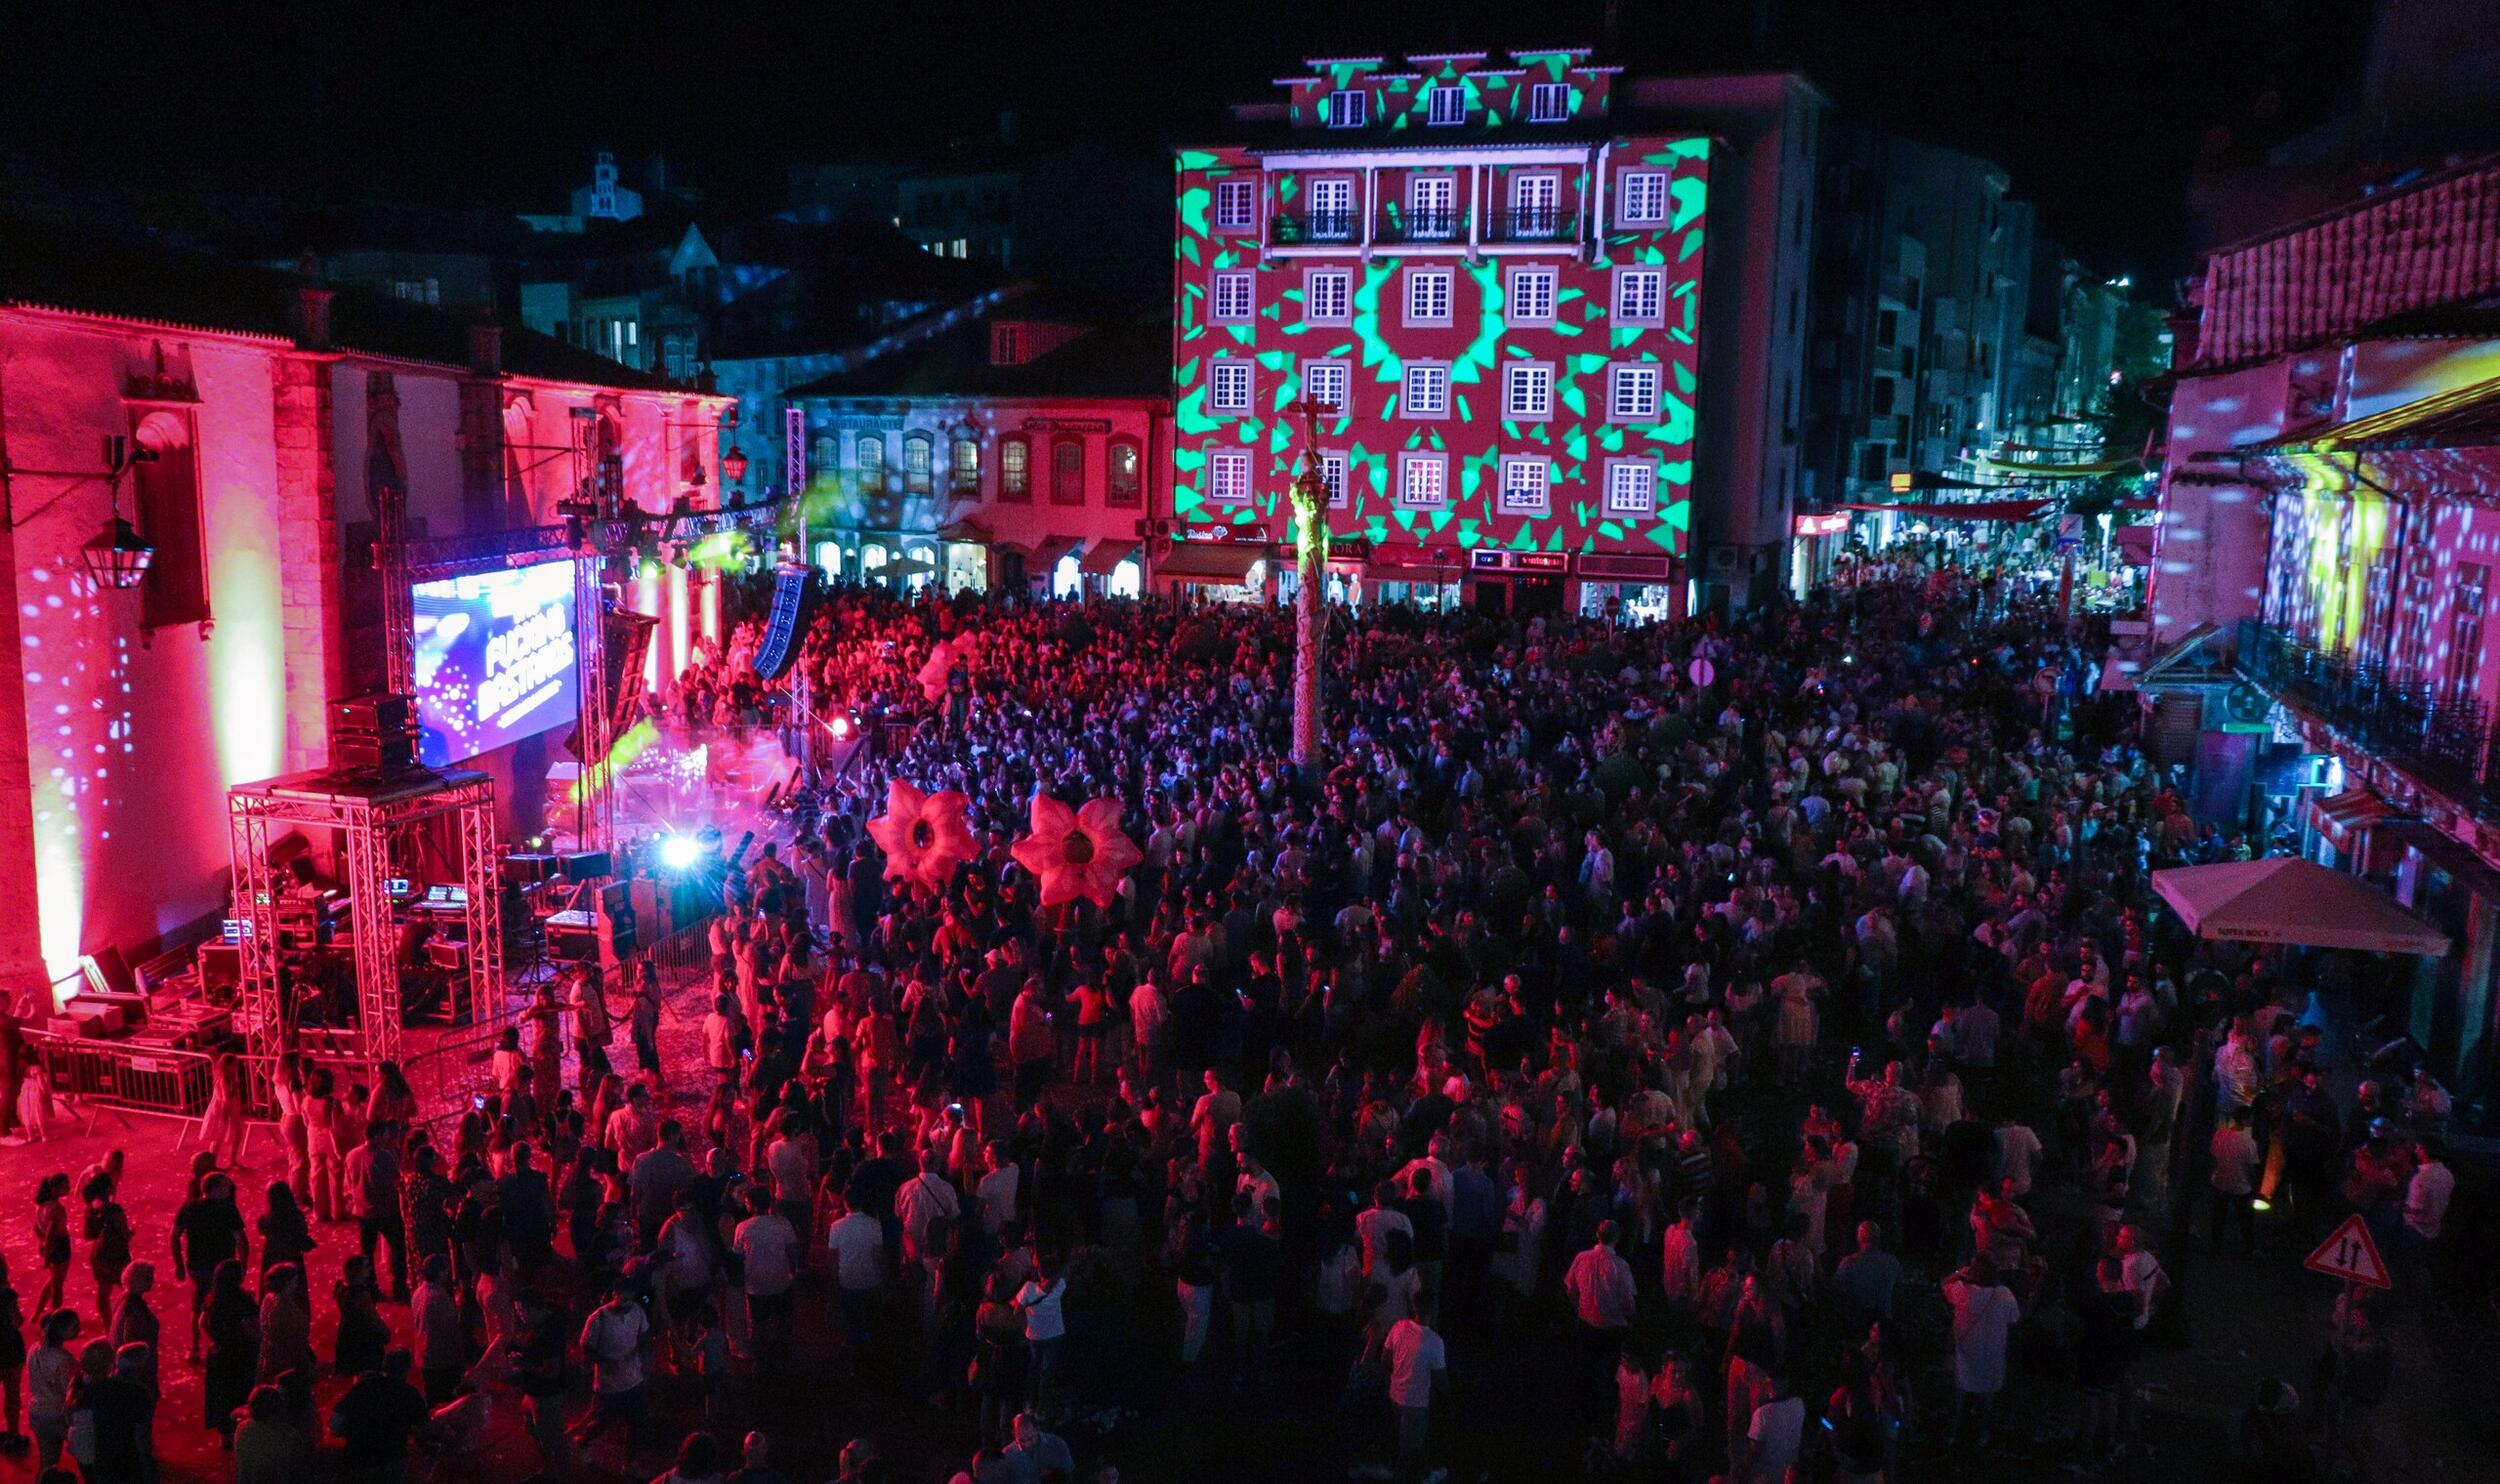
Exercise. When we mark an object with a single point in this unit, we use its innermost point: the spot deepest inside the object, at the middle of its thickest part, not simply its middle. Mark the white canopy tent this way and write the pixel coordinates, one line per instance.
(2283, 899)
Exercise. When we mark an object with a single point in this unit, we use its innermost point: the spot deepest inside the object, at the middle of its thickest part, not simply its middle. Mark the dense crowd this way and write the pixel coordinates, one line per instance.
(1745, 1038)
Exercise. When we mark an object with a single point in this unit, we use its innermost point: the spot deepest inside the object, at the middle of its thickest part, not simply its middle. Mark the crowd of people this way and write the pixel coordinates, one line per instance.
(1741, 1079)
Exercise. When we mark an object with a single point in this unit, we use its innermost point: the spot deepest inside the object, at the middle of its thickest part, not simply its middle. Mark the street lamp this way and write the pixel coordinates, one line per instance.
(733, 465)
(1310, 511)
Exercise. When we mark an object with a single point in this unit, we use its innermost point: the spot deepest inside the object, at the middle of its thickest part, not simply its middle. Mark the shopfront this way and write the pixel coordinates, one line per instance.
(1216, 571)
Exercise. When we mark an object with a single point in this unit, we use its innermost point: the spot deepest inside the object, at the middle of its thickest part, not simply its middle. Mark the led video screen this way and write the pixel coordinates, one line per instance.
(494, 654)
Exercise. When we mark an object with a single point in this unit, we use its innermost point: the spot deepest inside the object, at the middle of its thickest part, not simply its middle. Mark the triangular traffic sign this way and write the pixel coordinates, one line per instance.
(2349, 1253)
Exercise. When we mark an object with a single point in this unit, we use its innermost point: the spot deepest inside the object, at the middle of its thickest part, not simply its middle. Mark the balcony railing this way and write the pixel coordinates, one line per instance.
(1292, 229)
(2450, 745)
(1423, 226)
(1529, 224)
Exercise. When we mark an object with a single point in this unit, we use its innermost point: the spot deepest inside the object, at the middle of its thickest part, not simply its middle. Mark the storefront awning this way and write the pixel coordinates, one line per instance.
(1106, 554)
(2283, 899)
(967, 532)
(1046, 554)
(2337, 817)
(1967, 510)
(1211, 561)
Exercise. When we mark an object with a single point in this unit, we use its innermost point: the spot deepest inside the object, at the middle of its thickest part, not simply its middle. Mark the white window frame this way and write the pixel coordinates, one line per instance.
(1540, 182)
(1343, 313)
(1632, 286)
(1435, 96)
(1437, 375)
(1217, 401)
(1341, 116)
(1416, 281)
(1335, 468)
(1241, 287)
(1508, 500)
(1631, 210)
(1549, 103)
(1236, 205)
(1339, 369)
(1414, 459)
(1311, 208)
(1527, 391)
(1441, 183)
(1553, 288)
(1228, 466)
(1617, 475)
(1622, 379)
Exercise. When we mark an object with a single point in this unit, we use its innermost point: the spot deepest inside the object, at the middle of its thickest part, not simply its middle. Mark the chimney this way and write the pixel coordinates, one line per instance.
(312, 316)
(486, 349)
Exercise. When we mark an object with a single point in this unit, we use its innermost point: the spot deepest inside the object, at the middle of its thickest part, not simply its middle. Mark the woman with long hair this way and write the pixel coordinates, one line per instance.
(285, 1236)
(108, 1239)
(221, 1125)
(52, 1243)
(324, 1154)
(287, 1086)
(393, 1099)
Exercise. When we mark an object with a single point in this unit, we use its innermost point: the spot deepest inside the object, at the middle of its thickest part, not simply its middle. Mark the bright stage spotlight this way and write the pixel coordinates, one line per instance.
(680, 852)
(841, 726)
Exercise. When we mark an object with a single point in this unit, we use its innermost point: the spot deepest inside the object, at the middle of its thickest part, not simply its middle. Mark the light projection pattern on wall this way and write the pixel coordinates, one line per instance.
(1581, 344)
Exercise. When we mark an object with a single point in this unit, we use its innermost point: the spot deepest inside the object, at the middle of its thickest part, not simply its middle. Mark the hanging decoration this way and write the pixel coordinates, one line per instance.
(924, 836)
(1079, 852)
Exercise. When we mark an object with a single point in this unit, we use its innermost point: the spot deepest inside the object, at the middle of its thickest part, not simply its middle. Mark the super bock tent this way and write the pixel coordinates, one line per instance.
(2283, 899)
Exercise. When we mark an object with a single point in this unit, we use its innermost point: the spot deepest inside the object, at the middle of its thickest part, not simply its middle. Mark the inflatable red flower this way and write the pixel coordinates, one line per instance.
(1077, 852)
(924, 836)
(939, 665)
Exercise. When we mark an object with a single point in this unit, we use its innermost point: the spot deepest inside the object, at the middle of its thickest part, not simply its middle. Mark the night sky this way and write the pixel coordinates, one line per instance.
(2095, 107)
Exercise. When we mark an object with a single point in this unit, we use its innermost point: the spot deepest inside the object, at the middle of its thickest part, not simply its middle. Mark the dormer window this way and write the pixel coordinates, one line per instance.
(1006, 345)
(1446, 105)
(1549, 103)
(1348, 108)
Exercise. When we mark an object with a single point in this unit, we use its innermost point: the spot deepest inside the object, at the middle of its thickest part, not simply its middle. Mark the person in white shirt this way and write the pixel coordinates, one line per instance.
(2426, 1213)
(1774, 1437)
(1418, 1368)
(2234, 1180)
(2018, 1148)
(768, 1245)
(1045, 1327)
(613, 1341)
(923, 1199)
(1373, 1226)
(1599, 1284)
(856, 1242)
(1984, 1311)
(1001, 1182)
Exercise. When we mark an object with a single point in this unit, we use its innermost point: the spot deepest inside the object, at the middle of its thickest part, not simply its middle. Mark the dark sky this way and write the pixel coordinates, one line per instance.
(2095, 107)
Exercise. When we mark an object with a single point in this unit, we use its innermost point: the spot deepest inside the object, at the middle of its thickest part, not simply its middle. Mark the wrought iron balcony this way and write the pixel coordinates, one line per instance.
(2447, 743)
(1295, 229)
(1530, 224)
(1423, 226)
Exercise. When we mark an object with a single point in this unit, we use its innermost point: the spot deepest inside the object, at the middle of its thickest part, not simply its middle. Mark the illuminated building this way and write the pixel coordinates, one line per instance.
(2333, 460)
(273, 409)
(1022, 452)
(1559, 309)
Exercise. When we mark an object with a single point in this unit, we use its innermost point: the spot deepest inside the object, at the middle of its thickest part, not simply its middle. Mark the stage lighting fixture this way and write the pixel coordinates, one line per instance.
(841, 727)
(680, 852)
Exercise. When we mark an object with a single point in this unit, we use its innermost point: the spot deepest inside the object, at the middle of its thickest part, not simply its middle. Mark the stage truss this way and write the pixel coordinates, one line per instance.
(370, 814)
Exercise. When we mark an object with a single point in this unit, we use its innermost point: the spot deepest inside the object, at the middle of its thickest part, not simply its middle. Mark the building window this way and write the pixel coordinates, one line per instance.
(1528, 391)
(1328, 296)
(1427, 389)
(1431, 207)
(1640, 296)
(1446, 105)
(1631, 488)
(872, 559)
(1328, 383)
(1236, 205)
(1549, 102)
(1427, 296)
(1632, 394)
(1015, 469)
(1527, 486)
(1228, 385)
(1126, 477)
(1642, 202)
(826, 453)
(1332, 208)
(2465, 631)
(1067, 472)
(1348, 108)
(1532, 296)
(1423, 480)
(1332, 474)
(1228, 477)
(1234, 295)
(1535, 205)
(871, 456)
(1006, 345)
(917, 452)
(967, 463)
(174, 589)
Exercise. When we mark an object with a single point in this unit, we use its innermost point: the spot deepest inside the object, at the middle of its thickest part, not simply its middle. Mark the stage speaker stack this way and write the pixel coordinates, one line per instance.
(374, 736)
(794, 592)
